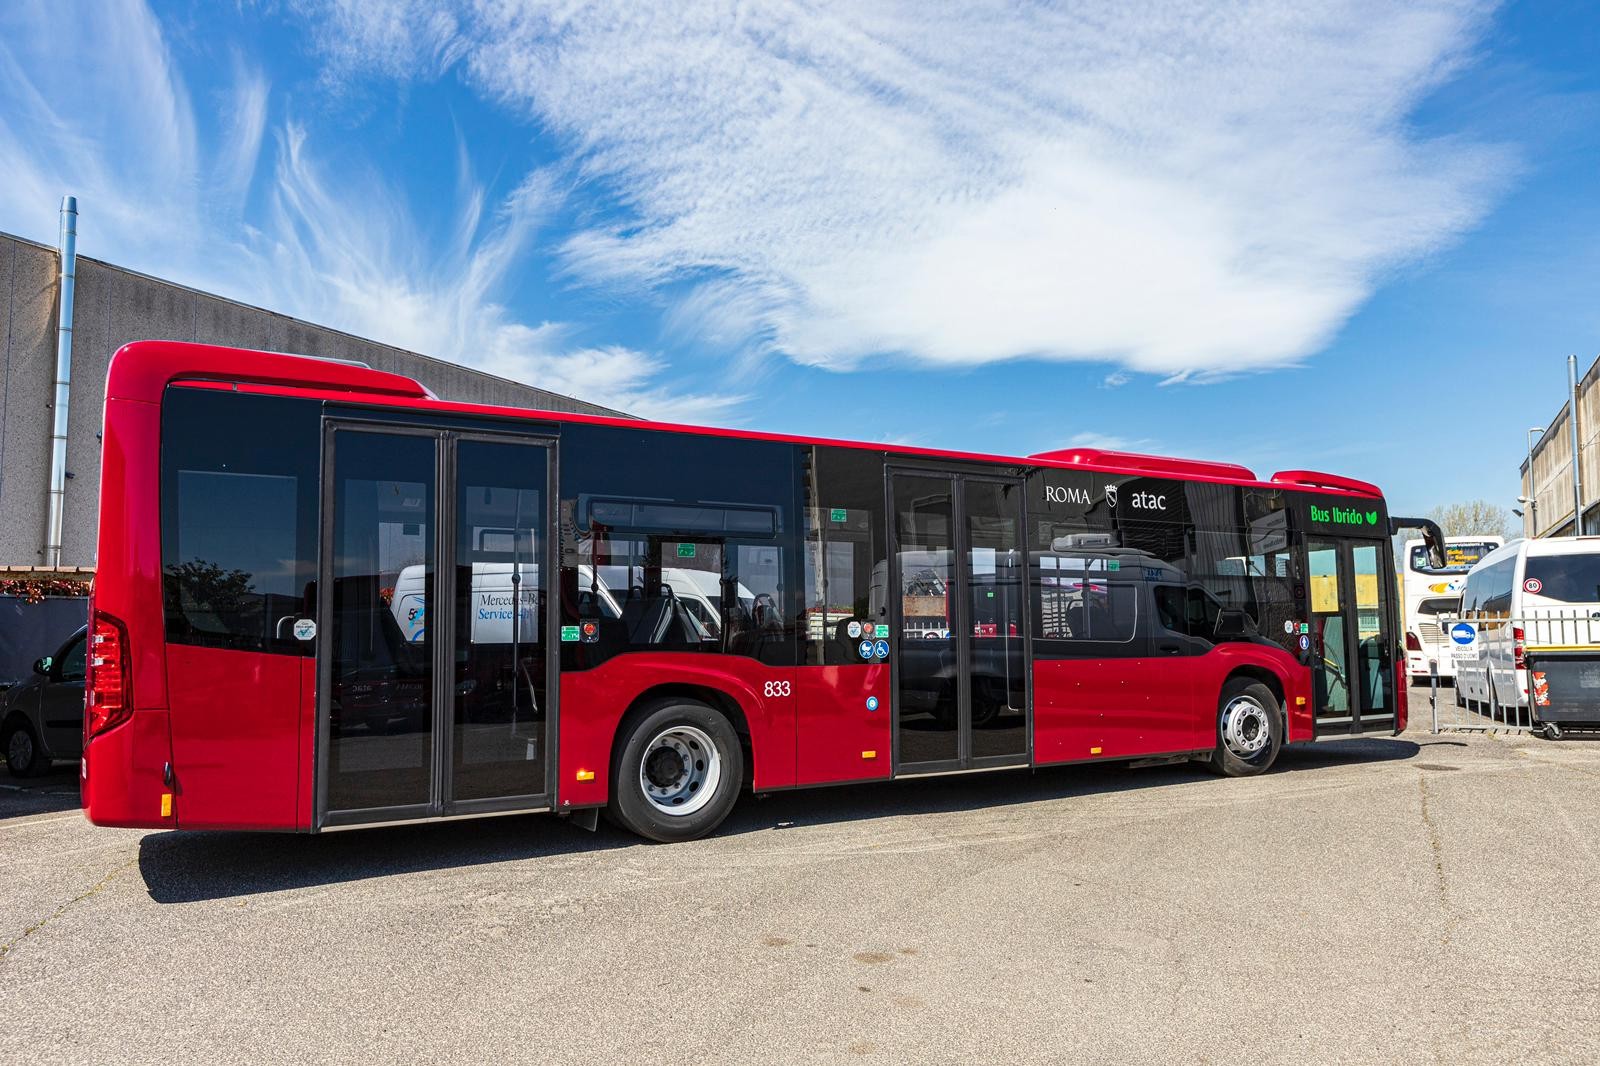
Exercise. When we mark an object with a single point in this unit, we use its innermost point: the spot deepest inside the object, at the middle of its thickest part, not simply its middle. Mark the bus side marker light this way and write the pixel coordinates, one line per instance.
(869, 755)
(166, 805)
(1299, 701)
(585, 775)
(1094, 751)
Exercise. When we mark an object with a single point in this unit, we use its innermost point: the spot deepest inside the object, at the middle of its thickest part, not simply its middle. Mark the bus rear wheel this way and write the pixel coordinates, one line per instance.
(677, 772)
(1249, 729)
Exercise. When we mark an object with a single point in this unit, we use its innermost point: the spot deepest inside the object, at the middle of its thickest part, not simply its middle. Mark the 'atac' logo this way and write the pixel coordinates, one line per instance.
(1142, 501)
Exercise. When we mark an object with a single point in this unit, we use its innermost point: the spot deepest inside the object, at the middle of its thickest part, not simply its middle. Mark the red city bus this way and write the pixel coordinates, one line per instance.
(326, 599)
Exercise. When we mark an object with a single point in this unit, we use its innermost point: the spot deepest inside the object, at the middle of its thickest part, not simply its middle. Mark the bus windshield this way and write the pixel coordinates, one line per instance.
(1459, 556)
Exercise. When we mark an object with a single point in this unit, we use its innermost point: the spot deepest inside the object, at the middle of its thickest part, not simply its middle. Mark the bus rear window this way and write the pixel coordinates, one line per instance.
(238, 517)
(1568, 578)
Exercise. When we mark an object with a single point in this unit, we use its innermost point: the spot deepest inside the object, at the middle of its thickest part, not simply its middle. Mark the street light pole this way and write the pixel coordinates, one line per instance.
(1577, 467)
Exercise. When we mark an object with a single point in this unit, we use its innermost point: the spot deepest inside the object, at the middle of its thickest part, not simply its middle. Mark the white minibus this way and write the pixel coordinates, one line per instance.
(1526, 582)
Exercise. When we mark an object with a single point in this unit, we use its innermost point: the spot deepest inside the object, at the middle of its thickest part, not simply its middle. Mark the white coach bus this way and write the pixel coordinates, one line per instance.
(1431, 591)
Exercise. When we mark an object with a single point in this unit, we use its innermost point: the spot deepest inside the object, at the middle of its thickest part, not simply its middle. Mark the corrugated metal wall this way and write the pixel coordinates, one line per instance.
(115, 306)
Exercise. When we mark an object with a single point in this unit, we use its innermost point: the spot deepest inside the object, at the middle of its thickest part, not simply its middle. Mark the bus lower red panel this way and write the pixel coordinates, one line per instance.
(306, 806)
(121, 773)
(236, 720)
(1112, 708)
(840, 739)
(594, 701)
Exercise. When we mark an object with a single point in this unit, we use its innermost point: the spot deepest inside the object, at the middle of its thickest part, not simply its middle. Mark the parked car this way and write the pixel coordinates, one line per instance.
(41, 719)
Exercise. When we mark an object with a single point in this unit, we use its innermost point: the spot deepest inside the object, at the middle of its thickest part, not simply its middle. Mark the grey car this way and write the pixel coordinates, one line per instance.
(41, 719)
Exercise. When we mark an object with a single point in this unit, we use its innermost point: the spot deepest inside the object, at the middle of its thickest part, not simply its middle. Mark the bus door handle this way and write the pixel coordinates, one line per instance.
(1169, 649)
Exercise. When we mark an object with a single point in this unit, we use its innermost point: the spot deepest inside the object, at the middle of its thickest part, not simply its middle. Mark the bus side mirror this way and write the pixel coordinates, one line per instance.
(41, 666)
(1432, 537)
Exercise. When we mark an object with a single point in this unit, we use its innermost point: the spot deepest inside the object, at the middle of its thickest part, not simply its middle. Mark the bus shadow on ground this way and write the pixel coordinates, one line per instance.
(191, 867)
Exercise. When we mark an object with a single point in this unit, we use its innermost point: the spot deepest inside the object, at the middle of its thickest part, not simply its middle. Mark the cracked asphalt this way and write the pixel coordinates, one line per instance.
(1419, 899)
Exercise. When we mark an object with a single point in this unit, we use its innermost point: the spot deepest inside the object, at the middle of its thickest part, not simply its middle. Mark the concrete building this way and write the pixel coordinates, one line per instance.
(114, 306)
(1547, 474)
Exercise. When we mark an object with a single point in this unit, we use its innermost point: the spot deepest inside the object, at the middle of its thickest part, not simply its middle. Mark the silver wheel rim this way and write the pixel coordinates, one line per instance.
(1246, 727)
(680, 770)
(19, 752)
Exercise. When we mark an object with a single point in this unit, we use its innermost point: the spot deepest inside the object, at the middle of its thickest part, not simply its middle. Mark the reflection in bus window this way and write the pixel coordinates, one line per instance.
(1080, 599)
(239, 518)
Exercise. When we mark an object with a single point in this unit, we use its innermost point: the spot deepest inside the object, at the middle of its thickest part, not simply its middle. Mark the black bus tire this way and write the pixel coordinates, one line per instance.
(677, 771)
(1249, 729)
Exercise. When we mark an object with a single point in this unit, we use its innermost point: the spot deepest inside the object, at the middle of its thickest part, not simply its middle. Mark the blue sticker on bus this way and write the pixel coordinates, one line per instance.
(1305, 642)
(882, 649)
(872, 703)
(865, 649)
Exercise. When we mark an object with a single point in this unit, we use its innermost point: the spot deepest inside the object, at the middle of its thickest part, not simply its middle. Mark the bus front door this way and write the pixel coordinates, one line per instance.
(1352, 642)
(434, 679)
(956, 613)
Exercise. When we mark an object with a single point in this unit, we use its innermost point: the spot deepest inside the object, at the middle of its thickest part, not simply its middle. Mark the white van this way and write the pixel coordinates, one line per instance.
(1523, 583)
(495, 621)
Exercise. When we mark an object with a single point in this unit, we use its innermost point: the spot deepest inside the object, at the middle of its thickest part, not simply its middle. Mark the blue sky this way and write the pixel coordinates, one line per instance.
(1348, 239)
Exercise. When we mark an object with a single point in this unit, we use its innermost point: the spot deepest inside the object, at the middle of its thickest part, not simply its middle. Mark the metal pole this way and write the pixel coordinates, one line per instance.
(68, 245)
(1533, 490)
(1433, 698)
(1577, 476)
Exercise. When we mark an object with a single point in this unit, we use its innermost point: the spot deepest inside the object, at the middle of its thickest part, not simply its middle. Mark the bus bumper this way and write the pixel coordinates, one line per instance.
(121, 776)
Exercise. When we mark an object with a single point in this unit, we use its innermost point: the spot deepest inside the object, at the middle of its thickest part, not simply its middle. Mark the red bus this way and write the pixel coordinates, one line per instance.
(326, 598)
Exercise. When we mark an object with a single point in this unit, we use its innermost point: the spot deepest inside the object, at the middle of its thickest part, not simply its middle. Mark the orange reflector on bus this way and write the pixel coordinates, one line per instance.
(585, 775)
(1094, 751)
(1299, 701)
(166, 805)
(869, 755)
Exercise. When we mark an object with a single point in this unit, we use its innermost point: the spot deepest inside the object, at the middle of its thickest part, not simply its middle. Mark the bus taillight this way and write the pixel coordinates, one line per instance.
(110, 700)
(1519, 651)
(1412, 643)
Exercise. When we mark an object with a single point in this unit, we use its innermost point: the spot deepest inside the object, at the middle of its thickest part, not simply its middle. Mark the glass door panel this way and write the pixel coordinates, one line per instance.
(499, 715)
(380, 750)
(928, 680)
(1375, 652)
(994, 569)
(1330, 658)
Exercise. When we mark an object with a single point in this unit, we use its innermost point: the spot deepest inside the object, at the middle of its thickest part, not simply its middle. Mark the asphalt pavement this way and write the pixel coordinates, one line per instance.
(1413, 899)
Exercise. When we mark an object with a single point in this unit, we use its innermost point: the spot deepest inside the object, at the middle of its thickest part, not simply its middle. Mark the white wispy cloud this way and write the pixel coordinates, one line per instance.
(1187, 190)
(349, 254)
(353, 258)
(1110, 442)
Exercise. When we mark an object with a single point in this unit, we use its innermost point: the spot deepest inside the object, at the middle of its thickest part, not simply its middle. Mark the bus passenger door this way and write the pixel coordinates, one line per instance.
(1330, 641)
(956, 610)
(435, 680)
(1352, 645)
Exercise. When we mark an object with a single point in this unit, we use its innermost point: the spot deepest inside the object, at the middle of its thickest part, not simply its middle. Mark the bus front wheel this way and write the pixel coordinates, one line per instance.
(1249, 729)
(677, 772)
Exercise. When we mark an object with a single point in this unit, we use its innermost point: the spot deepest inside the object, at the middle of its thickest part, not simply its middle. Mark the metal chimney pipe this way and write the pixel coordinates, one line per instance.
(1577, 466)
(68, 246)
